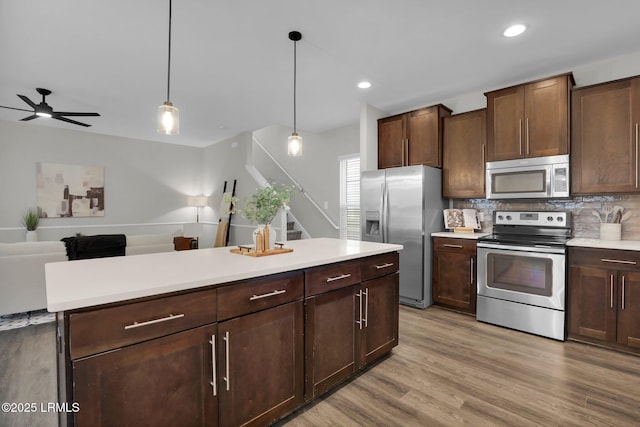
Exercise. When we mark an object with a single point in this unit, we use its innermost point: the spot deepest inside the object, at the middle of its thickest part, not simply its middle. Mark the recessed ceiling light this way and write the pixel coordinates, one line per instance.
(514, 30)
(364, 85)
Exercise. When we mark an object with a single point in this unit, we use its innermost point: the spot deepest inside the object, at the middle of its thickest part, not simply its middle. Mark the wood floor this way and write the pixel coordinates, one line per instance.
(449, 369)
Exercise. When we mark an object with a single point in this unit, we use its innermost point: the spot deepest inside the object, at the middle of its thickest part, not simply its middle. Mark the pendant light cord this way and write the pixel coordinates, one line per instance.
(295, 61)
(169, 56)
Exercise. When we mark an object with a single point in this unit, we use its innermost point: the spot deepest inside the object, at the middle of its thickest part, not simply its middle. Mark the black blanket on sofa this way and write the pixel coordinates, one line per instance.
(98, 246)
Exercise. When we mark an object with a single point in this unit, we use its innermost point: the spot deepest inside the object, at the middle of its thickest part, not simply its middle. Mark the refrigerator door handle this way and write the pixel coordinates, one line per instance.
(381, 217)
(385, 207)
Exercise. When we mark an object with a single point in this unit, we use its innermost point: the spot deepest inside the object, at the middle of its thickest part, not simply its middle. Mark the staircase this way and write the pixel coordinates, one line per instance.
(292, 233)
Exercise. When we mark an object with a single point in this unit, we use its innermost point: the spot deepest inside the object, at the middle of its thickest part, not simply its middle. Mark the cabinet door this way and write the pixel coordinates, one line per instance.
(603, 139)
(629, 309)
(454, 283)
(330, 339)
(391, 142)
(592, 303)
(423, 134)
(261, 365)
(379, 334)
(463, 145)
(505, 115)
(546, 122)
(161, 382)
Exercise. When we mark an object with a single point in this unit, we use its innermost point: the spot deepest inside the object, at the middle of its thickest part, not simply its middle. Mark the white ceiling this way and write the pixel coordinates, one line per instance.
(232, 61)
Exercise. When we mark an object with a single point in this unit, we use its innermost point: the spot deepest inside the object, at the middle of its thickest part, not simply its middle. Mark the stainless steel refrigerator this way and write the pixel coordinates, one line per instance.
(404, 205)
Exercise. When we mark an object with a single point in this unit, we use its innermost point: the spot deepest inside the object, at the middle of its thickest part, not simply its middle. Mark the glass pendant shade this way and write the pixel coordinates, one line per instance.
(168, 119)
(294, 148)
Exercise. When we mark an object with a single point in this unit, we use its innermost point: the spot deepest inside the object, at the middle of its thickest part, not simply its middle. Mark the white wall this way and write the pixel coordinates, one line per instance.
(146, 183)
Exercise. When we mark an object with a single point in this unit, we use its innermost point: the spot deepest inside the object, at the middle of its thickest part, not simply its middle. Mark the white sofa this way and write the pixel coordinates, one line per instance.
(22, 282)
(22, 286)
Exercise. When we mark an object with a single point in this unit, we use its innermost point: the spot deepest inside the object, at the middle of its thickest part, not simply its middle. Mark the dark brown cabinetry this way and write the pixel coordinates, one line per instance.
(454, 273)
(604, 138)
(261, 369)
(413, 138)
(463, 147)
(604, 297)
(228, 355)
(130, 385)
(529, 120)
(348, 324)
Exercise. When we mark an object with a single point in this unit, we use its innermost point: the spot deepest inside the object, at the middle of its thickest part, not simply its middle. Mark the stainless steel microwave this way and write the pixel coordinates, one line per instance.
(533, 178)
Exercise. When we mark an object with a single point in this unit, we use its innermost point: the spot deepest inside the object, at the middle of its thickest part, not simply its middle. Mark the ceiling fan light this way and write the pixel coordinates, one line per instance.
(168, 119)
(43, 114)
(294, 147)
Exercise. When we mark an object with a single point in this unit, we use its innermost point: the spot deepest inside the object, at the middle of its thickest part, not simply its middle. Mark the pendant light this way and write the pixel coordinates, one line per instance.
(168, 115)
(294, 147)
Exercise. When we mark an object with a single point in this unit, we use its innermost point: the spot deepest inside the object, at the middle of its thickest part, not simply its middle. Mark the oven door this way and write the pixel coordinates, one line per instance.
(527, 275)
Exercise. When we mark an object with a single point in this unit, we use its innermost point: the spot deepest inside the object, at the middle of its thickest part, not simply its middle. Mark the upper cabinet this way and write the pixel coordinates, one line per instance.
(604, 138)
(529, 120)
(413, 138)
(463, 146)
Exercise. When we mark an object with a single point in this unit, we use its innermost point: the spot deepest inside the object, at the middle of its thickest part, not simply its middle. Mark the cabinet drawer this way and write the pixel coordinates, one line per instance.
(612, 259)
(330, 277)
(379, 265)
(454, 245)
(257, 294)
(113, 327)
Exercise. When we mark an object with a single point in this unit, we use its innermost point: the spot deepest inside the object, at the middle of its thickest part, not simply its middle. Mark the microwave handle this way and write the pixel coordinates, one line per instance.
(549, 178)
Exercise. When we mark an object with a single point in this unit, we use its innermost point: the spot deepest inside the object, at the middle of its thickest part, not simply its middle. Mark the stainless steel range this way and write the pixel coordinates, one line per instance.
(522, 272)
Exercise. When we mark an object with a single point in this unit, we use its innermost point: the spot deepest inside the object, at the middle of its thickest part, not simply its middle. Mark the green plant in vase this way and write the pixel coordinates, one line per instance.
(30, 221)
(263, 205)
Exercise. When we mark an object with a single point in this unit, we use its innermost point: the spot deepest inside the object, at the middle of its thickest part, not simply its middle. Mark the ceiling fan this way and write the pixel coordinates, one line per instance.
(44, 110)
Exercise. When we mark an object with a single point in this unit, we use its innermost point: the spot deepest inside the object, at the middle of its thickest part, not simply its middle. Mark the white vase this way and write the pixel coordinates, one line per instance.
(32, 236)
(272, 235)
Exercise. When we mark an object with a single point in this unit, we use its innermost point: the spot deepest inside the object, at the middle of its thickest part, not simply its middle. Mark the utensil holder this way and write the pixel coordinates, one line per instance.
(610, 231)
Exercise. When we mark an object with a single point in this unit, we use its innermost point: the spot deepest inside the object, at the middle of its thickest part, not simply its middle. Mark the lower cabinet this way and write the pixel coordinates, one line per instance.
(604, 297)
(231, 355)
(127, 386)
(348, 328)
(261, 369)
(454, 273)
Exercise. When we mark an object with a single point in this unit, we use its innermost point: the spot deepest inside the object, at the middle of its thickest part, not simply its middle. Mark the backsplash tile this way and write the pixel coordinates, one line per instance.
(585, 225)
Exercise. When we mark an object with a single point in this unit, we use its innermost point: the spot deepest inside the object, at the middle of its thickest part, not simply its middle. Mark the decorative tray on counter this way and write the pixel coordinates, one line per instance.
(251, 251)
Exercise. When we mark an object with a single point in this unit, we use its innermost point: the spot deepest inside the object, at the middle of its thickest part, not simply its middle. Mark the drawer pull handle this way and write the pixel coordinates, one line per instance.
(618, 261)
(448, 245)
(270, 294)
(622, 299)
(340, 277)
(226, 378)
(214, 381)
(388, 264)
(611, 291)
(151, 322)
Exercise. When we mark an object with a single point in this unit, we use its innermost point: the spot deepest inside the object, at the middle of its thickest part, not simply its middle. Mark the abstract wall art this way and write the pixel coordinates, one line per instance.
(70, 190)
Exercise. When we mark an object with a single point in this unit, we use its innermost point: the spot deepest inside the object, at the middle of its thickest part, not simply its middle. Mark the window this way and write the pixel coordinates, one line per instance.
(350, 197)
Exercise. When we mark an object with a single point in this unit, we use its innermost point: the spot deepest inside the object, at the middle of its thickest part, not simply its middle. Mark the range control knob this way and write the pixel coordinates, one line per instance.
(500, 217)
(560, 219)
(550, 218)
(508, 217)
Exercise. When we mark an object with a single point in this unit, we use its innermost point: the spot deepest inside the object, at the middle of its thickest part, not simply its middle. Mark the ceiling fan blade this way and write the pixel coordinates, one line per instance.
(29, 118)
(14, 108)
(28, 101)
(58, 117)
(62, 113)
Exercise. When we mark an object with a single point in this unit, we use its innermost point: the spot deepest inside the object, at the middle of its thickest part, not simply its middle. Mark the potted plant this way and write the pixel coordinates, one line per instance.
(30, 221)
(263, 206)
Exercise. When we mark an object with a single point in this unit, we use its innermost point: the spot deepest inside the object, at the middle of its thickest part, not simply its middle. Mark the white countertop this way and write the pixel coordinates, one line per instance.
(627, 245)
(453, 235)
(84, 283)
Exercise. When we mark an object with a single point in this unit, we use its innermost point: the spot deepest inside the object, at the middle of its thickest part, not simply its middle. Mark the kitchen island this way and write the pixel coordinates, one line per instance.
(208, 337)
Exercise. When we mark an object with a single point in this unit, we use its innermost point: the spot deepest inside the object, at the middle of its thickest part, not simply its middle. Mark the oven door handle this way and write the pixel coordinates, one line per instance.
(538, 249)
